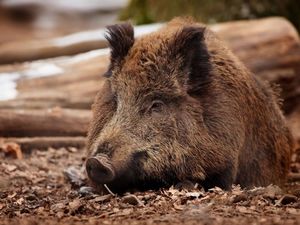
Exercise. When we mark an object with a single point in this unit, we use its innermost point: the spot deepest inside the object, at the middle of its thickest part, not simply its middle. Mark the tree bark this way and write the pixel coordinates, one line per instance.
(39, 102)
(20, 51)
(293, 122)
(49, 122)
(294, 177)
(28, 144)
(269, 47)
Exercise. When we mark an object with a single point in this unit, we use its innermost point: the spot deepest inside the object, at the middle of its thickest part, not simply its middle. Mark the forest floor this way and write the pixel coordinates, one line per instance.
(35, 190)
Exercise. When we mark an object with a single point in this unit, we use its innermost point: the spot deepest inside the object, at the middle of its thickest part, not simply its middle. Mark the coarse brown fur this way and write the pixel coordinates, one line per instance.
(178, 105)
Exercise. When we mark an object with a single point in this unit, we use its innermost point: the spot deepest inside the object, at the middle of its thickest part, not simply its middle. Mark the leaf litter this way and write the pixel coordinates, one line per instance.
(49, 187)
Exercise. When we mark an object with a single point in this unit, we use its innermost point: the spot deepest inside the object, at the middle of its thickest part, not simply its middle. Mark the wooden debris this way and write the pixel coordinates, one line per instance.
(294, 177)
(132, 200)
(20, 51)
(48, 122)
(43, 143)
(287, 199)
(11, 148)
(269, 47)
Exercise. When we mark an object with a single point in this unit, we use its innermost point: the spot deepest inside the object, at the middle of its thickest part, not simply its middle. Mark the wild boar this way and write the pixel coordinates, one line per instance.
(178, 105)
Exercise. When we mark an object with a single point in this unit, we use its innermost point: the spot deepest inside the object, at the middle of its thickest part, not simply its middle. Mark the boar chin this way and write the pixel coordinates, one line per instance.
(121, 186)
(104, 178)
(125, 183)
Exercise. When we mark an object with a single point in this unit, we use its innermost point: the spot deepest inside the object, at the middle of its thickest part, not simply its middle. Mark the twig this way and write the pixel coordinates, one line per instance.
(109, 191)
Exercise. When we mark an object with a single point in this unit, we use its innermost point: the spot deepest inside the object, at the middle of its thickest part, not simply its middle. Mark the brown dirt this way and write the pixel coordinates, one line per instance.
(35, 190)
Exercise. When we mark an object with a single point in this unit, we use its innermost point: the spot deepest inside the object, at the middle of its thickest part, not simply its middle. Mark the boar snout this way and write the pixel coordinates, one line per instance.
(99, 169)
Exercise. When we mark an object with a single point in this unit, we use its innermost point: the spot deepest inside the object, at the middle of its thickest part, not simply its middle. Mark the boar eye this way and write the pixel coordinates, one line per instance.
(156, 106)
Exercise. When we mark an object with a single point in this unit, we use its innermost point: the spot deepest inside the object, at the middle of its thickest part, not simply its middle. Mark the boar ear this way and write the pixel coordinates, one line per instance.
(189, 48)
(120, 38)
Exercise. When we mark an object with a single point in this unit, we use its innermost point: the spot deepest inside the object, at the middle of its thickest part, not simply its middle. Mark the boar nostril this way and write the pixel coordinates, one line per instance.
(99, 170)
(105, 148)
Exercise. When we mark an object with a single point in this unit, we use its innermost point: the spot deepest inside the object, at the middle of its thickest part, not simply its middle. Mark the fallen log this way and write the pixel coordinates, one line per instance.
(294, 177)
(73, 90)
(293, 122)
(78, 95)
(262, 33)
(20, 51)
(68, 82)
(41, 143)
(73, 71)
(57, 71)
(269, 47)
(38, 102)
(254, 42)
(50, 122)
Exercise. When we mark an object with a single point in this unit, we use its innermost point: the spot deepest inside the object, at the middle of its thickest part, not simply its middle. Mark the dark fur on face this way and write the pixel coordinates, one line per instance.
(178, 105)
(120, 38)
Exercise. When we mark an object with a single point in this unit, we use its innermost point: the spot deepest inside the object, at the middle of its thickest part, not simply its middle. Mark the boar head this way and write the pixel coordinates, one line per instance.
(147, 121)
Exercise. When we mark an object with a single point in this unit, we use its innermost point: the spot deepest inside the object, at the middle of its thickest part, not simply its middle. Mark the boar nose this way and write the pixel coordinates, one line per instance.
(99, 169)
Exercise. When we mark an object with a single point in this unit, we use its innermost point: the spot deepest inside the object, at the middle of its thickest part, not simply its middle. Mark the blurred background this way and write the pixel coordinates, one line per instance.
(53, 54)
(27, 19)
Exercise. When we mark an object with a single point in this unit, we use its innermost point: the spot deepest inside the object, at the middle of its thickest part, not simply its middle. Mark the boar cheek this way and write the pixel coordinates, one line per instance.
(103, 109)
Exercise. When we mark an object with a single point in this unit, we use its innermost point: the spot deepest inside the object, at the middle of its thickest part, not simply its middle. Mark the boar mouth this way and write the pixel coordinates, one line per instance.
(124, 184)
(100, 171)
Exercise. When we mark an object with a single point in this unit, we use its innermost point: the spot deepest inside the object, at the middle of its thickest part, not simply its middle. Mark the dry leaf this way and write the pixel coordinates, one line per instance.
(13, 149)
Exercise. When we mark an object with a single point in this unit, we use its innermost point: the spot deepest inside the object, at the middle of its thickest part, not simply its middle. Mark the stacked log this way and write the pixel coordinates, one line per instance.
(46, 122)
(269, 47)
(27, 144)
(19, 51)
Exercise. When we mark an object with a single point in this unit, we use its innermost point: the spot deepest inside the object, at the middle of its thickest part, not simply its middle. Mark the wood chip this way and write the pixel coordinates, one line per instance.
(132, 200)
(13, 149)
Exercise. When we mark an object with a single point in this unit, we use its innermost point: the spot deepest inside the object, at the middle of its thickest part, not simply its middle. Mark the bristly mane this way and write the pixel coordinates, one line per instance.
(120, 38)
